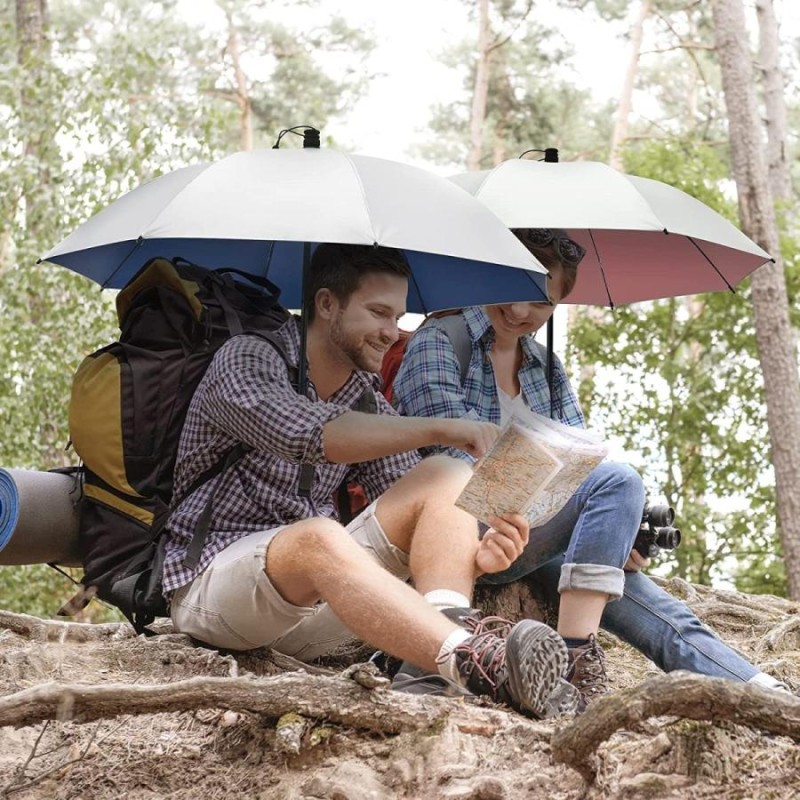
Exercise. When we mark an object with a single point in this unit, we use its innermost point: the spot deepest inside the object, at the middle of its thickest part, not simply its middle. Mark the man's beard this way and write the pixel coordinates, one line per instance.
(352, 346)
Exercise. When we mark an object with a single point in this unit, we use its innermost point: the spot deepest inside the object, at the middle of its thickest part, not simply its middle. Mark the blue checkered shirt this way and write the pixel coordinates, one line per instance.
(428, 383)
(247, 396)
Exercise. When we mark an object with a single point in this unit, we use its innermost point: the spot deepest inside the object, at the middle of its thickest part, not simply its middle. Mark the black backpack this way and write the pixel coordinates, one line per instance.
(128, 405)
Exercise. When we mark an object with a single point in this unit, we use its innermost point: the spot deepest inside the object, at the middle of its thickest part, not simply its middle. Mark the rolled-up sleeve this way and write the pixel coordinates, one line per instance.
(247, 393)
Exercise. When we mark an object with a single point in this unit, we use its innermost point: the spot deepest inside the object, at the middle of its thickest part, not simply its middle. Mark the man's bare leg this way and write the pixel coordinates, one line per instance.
(317, 559)
(418, 515)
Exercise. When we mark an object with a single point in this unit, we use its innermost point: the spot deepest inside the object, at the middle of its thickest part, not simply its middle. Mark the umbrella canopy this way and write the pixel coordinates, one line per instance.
(256, 210)
(644, 239)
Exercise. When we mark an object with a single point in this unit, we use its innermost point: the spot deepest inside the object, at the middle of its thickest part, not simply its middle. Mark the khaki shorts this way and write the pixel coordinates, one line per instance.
(233, 604)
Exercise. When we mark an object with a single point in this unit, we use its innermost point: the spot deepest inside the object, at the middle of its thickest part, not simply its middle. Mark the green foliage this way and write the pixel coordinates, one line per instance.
(678, 383)
(40, 590)
(303, 73)
(530, 104)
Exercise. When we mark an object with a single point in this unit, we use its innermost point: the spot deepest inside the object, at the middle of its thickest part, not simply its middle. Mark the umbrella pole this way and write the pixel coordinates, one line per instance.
(549, 366)
(550, 156)
(306, 480)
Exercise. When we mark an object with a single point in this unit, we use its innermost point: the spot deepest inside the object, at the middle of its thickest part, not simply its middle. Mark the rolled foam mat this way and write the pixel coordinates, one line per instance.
(38, 518)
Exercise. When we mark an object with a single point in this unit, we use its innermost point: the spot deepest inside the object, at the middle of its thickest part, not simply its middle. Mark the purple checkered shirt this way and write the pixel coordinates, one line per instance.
(247, 396)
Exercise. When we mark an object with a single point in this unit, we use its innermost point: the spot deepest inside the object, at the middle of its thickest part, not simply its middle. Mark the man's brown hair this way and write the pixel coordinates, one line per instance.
(340, 267)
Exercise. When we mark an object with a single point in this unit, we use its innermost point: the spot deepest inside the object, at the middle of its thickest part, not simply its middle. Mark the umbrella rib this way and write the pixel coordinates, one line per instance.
(602, 270)
(107, 281)
(713, 265)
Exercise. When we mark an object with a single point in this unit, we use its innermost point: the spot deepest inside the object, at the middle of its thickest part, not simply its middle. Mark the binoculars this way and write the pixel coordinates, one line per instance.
(656, 532)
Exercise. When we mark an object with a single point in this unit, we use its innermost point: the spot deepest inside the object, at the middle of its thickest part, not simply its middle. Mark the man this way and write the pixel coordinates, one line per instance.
(277, 568)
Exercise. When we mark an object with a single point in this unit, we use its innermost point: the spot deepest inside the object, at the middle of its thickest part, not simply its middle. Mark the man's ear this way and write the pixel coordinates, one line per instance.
(326, 304)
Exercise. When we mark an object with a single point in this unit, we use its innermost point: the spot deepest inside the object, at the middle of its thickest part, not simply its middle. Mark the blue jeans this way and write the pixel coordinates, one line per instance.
(659, 626)
(585, 546)
(595, 529)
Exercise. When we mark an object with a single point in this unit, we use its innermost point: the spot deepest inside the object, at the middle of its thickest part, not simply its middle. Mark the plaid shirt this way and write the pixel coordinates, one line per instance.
(428, 383)
(247, 396)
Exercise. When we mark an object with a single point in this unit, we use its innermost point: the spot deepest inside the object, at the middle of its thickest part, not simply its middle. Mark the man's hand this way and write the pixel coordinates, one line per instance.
(469, 435)
(502, 544)
(636, 561)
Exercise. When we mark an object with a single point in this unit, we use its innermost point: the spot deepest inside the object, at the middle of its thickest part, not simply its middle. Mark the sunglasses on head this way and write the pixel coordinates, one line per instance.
(568, 250)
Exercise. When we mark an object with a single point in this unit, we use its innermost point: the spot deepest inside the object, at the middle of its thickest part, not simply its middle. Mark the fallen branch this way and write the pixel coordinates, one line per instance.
(332, 698)
(680, 694)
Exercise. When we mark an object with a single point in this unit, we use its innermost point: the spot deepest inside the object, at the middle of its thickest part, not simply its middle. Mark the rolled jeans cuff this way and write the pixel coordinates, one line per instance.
(592, 578)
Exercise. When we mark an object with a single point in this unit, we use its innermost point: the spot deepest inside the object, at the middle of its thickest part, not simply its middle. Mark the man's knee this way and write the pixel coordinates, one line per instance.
(318, 539)
(435, 473)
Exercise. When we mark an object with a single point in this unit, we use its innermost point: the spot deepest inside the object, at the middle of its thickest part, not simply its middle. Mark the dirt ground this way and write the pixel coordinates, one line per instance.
(317, 735)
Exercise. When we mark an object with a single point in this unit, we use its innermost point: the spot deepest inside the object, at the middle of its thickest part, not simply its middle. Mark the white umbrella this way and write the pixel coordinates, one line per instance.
(258, 211)
(643, 238)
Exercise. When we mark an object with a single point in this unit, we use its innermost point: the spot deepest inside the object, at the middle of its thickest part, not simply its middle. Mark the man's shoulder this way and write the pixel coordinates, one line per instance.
(279, 343)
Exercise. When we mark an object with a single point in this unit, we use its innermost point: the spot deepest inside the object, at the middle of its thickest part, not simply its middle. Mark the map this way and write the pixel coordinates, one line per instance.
(533, 468)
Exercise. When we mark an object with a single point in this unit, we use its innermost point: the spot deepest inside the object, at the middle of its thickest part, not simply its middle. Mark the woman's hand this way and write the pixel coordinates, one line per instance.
(502, 544)
(636, 562)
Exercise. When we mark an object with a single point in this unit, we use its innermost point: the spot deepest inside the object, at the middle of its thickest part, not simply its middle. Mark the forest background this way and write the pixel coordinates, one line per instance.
(97, 96)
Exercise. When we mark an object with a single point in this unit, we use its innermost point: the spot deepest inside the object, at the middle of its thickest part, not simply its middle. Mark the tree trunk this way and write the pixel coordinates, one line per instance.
(774, 334)
(240, 94)
(626, 96)
(780, 180)
(481, 92)
(32, 55)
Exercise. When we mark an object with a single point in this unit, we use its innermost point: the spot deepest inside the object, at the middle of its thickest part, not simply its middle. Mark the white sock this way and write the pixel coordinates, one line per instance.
(446, 660)
(446, 598)
(762, 679)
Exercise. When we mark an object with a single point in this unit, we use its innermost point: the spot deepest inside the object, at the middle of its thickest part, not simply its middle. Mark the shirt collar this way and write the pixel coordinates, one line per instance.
(480, 328)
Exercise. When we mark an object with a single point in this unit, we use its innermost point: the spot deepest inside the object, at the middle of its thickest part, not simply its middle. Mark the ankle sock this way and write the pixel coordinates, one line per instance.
(762, 679)
(446, 660)
(572, 643)
(446, 598)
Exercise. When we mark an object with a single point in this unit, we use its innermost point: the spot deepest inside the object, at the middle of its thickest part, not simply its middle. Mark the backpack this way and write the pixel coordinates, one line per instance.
(127, 409)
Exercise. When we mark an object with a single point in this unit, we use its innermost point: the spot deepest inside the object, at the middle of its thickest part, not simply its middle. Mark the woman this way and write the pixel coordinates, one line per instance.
(584, 554)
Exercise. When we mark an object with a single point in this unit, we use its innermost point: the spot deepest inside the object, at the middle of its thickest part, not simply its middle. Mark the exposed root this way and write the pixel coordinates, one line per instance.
(678, 694)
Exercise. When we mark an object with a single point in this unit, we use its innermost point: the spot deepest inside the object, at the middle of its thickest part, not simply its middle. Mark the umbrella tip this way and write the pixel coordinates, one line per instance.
(311, 138)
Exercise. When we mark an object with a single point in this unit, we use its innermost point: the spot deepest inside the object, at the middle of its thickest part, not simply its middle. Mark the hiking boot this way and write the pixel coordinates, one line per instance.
(587, 671)
(520, 670)
(564, 699)
(415, 680)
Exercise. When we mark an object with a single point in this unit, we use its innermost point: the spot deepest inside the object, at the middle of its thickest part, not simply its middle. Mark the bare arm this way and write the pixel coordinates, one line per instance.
(354, 437)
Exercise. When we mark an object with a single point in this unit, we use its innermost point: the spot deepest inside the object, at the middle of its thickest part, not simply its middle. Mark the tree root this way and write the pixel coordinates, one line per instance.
(773, 639)
(47, 630)
(333, 698)
(679, 694)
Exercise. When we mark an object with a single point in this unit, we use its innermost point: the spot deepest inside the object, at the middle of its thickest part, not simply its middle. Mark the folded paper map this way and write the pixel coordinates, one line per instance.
(533, 468)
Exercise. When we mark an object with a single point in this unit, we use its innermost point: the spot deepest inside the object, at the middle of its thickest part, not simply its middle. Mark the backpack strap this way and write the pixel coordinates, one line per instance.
(366, 404)
(231, 457)
(192, 557)
(454, 326)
